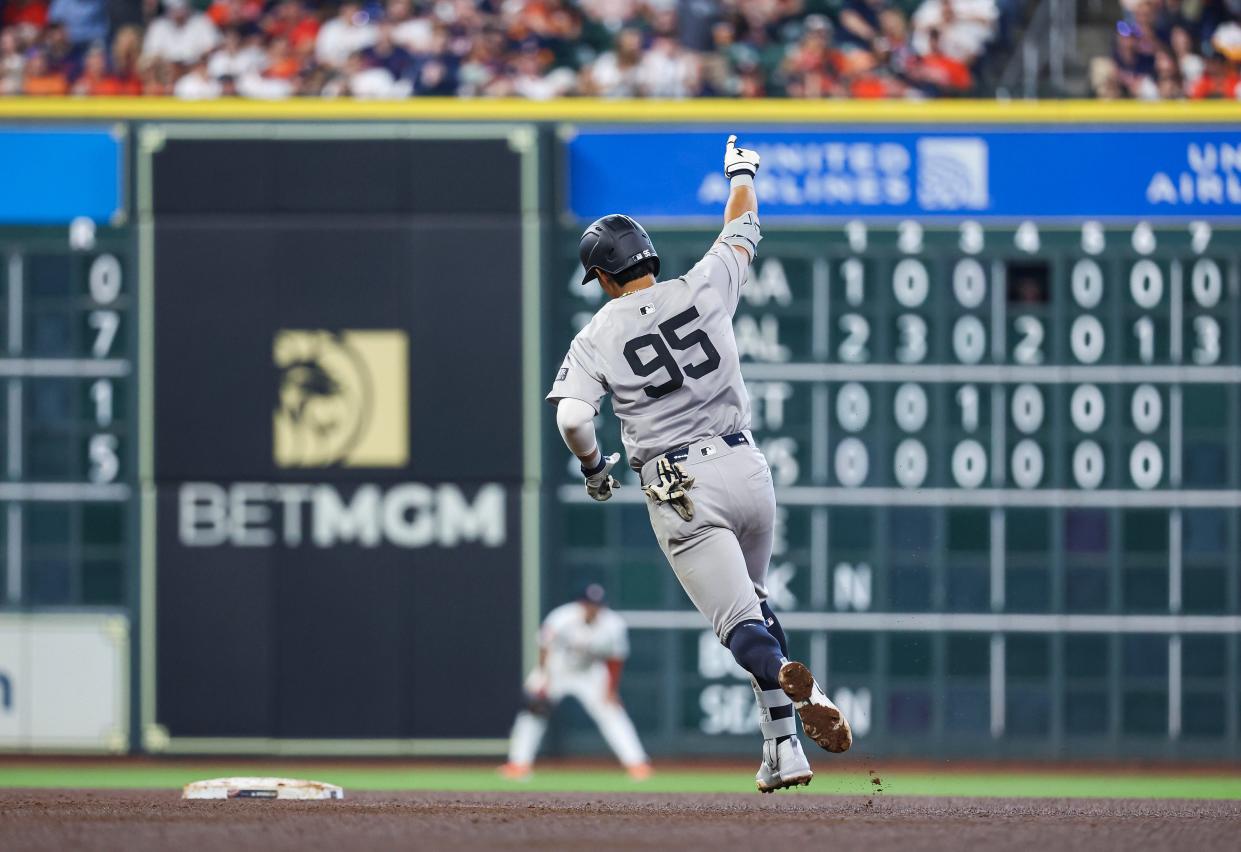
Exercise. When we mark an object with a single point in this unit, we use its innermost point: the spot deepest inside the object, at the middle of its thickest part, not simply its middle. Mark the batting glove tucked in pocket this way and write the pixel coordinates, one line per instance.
(671, 486)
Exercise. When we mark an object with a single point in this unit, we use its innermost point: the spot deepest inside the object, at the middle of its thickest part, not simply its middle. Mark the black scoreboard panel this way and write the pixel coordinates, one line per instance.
(66, 332)
(1008, 463)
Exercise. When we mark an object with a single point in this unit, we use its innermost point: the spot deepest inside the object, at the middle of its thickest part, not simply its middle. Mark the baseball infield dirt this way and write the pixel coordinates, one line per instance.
(135, 820)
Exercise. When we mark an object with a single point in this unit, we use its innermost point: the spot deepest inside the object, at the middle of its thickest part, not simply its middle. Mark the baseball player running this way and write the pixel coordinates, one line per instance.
(582, 648)
(665, 351)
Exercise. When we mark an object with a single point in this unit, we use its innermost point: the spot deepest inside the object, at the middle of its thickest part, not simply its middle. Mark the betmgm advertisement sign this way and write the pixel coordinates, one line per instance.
(338, 455)
(342, 400)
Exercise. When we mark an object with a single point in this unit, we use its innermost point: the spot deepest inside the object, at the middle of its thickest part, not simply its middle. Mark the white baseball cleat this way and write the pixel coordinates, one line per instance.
(820, 718)
(784, 765)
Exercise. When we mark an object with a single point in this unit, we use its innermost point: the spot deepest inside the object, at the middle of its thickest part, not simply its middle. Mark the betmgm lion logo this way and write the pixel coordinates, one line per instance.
(343, 399)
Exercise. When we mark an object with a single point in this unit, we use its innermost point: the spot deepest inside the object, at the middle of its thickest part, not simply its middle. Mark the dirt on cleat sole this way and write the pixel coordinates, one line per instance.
(803, 781)
(820, 719)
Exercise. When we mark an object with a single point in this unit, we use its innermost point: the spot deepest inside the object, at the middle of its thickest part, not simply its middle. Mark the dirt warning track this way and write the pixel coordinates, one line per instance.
(135, 820)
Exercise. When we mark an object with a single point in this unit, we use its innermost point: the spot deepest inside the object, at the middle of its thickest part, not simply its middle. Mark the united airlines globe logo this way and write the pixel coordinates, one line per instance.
(952, 174)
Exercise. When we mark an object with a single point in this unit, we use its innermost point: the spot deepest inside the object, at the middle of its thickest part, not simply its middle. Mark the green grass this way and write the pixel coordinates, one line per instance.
(711, 779)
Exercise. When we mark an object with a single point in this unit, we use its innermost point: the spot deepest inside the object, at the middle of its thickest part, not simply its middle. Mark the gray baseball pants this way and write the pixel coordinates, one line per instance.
(720, 555)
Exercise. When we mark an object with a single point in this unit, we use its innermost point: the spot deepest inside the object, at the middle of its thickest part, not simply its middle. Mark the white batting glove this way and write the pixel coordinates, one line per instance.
(739, 161)
(599, 482)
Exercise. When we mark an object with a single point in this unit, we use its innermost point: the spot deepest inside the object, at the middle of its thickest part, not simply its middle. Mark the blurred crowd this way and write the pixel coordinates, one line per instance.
(526, 48)
(1172, 49)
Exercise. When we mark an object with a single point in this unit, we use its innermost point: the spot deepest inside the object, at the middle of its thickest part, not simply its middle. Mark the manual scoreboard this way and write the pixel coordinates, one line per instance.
(66, 295)
(1008, 465)
(995, 367)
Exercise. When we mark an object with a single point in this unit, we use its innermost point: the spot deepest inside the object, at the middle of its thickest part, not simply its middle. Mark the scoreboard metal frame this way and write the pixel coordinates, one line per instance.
(979, 435)
(994, 619)
(69, 414)
(523, 140)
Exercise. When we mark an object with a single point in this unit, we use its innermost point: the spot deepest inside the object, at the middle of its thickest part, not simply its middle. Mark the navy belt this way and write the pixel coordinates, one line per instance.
(736, 439)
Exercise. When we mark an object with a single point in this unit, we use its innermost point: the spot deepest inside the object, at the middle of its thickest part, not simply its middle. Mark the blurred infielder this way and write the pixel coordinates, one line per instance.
(582, 649)
(665, 351)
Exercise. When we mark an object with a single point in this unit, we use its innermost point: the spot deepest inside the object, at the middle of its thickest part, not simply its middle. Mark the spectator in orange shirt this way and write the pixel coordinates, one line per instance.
(234, 13)
(939, 73)
(126, 52)
(97, 80)
(94, 72)
(291, 21)
(553, 20)
(113, 86)
(41, 80)
(1219, 79)
(282, 64)
(868, 80)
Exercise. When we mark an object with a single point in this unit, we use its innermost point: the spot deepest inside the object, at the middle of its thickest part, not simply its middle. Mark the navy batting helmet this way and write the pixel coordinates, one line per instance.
(613, 244)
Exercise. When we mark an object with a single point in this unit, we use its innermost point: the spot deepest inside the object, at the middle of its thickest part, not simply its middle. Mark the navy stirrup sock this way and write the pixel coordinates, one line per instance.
(758, 652)
(761, 654)
(774, 628)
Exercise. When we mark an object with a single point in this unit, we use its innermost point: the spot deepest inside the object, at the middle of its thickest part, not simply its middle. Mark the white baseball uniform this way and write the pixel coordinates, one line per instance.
(575, 666)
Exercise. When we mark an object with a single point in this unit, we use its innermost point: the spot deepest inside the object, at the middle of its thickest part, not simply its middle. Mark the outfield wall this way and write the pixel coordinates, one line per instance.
(238, 346)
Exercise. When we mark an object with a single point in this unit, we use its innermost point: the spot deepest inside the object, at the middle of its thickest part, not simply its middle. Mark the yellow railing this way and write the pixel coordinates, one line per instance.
(726, 112)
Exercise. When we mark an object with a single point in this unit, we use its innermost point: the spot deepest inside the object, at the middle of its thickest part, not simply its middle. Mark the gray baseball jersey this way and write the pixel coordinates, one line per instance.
(667, 354)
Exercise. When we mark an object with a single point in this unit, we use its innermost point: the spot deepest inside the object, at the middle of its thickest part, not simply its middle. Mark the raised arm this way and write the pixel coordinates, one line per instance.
(740, 166)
